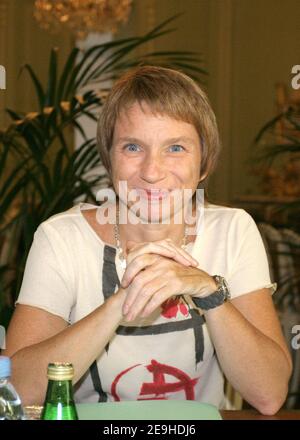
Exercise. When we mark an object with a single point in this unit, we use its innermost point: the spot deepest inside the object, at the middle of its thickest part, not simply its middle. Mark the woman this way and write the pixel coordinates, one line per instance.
(163, 325)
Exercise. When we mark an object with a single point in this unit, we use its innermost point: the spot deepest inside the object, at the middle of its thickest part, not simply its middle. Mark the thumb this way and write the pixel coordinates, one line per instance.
(130, 245)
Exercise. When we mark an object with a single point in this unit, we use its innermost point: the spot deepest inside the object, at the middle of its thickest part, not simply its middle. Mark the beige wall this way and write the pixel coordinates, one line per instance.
(247, 46)
(22, 41)
(266, 44)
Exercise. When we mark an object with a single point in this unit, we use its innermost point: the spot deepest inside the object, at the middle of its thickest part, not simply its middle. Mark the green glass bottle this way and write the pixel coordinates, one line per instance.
(59, 402)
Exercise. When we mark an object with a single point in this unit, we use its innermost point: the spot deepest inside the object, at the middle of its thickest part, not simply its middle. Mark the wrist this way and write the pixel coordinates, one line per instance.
(218, 296)
(115, 302)
(207, 289)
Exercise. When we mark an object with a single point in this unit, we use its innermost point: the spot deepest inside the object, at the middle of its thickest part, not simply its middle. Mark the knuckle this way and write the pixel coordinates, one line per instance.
(136, 262)
(163, 296)
(173, 274)
(178, 284)
(145, 293)
(151, 246)
(152, 258)
(164, 241)
(129, 258)
(137, 283)
(159, 299)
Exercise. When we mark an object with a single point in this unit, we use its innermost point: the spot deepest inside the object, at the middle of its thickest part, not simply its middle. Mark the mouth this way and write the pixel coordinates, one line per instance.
(153, 194)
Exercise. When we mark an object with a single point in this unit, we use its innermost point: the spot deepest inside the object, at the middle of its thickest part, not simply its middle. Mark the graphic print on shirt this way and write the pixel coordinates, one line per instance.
(159, 388)
(172, 308)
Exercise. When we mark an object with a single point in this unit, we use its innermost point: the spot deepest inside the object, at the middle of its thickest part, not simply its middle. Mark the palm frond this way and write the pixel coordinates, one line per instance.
(52, 75)
(37, 84)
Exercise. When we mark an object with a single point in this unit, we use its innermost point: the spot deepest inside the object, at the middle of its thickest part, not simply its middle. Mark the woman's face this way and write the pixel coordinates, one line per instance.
(157, 156)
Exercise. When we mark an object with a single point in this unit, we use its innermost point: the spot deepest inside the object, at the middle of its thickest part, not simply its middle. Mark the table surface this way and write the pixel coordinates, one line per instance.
(249, 414)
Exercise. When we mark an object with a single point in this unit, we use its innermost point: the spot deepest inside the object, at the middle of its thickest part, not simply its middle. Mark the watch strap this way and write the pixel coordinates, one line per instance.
(211, 301)
(216, 298)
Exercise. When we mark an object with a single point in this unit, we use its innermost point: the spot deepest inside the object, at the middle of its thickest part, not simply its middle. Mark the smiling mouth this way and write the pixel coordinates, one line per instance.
(153, 194)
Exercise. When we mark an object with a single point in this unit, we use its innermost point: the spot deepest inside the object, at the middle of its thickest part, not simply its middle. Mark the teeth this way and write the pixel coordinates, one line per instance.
(156, 191)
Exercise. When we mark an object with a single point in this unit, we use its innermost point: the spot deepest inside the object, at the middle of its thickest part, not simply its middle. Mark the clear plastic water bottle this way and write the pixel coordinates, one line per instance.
(10, 403)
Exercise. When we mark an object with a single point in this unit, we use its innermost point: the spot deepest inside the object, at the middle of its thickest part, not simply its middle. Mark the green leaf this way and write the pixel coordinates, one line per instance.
(14, 115)
(79, 76)
(51, 89)
(58, 165)
(37, 85)
(123, 51)
(68, 68)
(269, 125)
(164, 23)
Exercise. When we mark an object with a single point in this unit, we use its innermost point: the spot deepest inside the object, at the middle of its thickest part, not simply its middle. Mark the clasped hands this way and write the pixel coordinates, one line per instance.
(157, 271)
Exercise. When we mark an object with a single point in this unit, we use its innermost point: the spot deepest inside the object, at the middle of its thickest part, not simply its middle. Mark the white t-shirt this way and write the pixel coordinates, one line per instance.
(70, 271)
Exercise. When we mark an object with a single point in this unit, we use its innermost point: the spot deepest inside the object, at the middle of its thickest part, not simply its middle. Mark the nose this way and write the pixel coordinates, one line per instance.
(152, 169)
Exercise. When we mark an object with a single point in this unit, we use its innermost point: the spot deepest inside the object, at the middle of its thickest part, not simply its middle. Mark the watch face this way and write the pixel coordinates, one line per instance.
(225, 288)
(222, 286)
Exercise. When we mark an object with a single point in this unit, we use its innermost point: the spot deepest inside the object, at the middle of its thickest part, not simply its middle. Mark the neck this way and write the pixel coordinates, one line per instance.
(152, 232)
(141, 232)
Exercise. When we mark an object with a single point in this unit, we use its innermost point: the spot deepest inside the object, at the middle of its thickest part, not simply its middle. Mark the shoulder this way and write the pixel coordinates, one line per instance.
(226, 216)
(61, 228)
(65, 217)
(64, 221)
(77, 228)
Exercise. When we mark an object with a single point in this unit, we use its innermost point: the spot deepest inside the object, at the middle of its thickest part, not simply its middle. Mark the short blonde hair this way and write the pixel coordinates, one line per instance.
(165, 91)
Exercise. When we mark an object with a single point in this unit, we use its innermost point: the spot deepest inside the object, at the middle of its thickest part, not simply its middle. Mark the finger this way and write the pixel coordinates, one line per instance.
(165, 248)
(183, 253)
(136, 265)
(131, 244)
(157, 300)
(137, 286)
(183, 259)
(178, 250)
(144, 297)
(151, 248)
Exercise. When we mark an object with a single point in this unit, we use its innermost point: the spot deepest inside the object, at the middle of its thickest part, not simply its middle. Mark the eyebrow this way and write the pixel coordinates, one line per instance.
(166, 142)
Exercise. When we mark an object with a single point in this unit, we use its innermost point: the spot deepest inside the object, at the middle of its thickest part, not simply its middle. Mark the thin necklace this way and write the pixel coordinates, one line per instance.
(120, 249)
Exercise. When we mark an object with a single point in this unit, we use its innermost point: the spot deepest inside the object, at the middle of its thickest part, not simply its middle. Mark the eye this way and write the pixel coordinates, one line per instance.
(132, 148)
(176, 148)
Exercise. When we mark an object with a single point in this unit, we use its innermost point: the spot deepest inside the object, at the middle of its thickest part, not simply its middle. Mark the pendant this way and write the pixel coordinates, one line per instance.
(123, 263)
(122, 259)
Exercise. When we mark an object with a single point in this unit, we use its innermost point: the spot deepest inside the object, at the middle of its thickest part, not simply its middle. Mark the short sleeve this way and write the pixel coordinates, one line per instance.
(249, 269)
(47, 281)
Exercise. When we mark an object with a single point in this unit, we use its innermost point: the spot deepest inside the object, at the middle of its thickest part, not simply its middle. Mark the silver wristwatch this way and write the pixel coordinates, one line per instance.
(216, 298)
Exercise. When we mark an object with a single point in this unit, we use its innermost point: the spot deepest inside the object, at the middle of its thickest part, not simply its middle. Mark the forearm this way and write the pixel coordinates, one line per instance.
(254, 364)
(80, 344)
